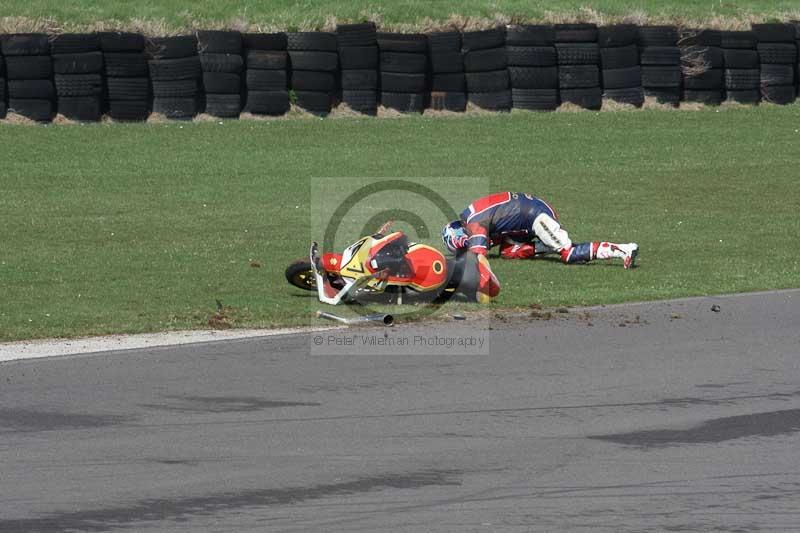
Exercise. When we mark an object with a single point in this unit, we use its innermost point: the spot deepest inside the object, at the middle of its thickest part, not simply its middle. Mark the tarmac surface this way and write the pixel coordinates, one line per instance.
(666, 416)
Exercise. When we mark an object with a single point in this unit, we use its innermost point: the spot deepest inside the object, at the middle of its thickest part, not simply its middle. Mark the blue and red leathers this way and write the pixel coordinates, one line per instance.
(508, 219)
(489, 220)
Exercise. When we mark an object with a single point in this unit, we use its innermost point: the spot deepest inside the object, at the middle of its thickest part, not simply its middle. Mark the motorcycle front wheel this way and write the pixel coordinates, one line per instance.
(301, 275)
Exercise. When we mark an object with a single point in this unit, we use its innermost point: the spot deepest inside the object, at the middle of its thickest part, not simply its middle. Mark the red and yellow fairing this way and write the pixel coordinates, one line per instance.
(429, 267)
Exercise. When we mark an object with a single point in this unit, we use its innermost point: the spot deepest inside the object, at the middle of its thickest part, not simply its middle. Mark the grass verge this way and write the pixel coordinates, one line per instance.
(406, 15)
(134, 228)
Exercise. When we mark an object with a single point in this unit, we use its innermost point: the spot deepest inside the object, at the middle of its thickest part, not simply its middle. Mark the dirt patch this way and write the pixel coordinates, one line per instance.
(18, 120)
(650, 102)
(441, 113)
(477, 111)
(345, 111)
(387, 112)
(226, 317)
(205, 117)
(692, 106)
(540, 315)
(62, 120)
(730, 104)
(157, 118)
(614, 106)
(569, 107)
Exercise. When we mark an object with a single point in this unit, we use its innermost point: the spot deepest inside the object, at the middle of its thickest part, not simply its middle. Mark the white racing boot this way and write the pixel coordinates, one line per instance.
(626, 252)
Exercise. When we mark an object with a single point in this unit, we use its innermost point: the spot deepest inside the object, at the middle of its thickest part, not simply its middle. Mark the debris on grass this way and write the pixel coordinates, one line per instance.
(651, 102)
(691, 106)
(540, 315)
(17, 119)
(569, 107)
(475, 110)
(387, 112)
(345, 111)
(158, 118)
(441, 113)
(61, 119)
(610, 105)
(226, 316)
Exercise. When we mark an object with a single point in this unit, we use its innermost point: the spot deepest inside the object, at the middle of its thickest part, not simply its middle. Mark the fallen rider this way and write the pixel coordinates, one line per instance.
(525, 227)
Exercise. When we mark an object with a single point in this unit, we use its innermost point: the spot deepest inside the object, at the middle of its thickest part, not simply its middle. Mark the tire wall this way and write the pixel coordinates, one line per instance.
(128, 76)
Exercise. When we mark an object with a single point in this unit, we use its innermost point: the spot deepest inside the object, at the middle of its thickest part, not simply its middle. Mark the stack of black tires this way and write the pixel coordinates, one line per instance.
(29, 71)
(486, 67)
(742, 72)
(448, 82)
(404, 71)
(619, 59)
(702, 62)
(314, 64)
(579, 65)
(532, 67)
(222, 65)
(2, 87)
(175, 74)
(127, 76)
(358, 57)
(266, 77)
(660, 58)
(796, 24)
(777, 51)
(78, 68)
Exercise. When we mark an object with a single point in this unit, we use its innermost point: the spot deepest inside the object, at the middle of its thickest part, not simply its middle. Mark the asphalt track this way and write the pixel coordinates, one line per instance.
(652, 417)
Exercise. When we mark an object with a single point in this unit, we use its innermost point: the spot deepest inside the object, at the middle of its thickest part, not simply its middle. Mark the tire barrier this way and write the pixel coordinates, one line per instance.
(175, 74)
(448, 81)
(777, 52)
(266, 73)
(532, 67)
(796, 24)
(578, 56)
(314, 67)
(702, 66)
(619, 60)
(78, 72)
(660, 58)
(358, 58)
(29, 74)
(2, 88)
(222, 64)
(127, 76)
(403, 71)
(486, 69)
(742, 73)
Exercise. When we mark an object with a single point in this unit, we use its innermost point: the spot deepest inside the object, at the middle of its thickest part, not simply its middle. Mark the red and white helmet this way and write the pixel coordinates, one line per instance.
(455, 236)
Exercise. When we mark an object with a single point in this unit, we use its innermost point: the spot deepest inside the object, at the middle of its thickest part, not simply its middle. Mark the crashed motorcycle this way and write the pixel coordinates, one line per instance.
(391, 269)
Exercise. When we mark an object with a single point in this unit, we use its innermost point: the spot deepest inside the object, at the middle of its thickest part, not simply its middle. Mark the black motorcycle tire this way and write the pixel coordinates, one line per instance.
(301, 275)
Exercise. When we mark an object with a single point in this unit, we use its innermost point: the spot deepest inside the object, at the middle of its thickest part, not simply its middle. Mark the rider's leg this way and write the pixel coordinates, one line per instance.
(511, 249)
(554, 236)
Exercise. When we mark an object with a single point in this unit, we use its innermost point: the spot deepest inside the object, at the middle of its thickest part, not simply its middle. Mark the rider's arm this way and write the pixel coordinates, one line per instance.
(478, 240)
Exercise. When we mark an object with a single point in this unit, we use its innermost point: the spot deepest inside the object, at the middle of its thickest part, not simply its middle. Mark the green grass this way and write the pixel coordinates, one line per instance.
(131, 228)
(289, 14)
